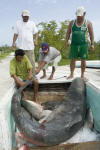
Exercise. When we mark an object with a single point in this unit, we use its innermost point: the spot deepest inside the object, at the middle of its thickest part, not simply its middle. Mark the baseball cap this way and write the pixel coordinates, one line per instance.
(25, 13)
(44, 46)
(80, 11)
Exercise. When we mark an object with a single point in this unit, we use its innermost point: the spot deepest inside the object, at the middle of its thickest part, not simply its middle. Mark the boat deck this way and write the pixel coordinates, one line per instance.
(60, 76)
(62, 72)
(7, 90)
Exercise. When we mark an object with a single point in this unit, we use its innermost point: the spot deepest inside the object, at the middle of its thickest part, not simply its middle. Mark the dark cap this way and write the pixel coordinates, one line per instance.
(44, 46)
(19, 52)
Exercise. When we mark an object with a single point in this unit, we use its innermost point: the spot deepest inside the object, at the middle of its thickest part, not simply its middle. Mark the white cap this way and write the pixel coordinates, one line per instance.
(25, 13)
(80, 11)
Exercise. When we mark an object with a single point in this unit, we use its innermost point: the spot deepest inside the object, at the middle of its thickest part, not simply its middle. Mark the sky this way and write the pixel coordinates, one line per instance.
(44, 11)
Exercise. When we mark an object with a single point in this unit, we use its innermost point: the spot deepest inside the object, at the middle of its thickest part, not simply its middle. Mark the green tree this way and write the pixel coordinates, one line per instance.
(55, 35)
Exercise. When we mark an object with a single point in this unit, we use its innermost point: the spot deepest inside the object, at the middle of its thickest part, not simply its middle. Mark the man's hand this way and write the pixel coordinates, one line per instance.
(68, 44)
(40, 66)
(92, 47)
(30, 77)
(36, 43)
(13, 47)
(37, 71)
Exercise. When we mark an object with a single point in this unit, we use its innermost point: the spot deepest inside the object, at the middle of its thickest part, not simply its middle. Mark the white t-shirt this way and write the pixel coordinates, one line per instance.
(25, 31)
(51, 55)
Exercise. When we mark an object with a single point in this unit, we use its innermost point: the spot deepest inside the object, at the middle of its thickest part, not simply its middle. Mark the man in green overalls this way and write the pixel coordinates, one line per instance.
(79, 29)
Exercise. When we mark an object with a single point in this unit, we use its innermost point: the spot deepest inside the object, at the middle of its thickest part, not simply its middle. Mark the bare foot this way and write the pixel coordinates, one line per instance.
(37, 102)
(24, 96)
(70, 77)
(84, 78)
(51, 77)
(42, 76)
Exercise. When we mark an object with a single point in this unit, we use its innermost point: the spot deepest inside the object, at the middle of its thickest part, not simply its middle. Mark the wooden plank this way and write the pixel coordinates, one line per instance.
(48, 92)
(93, 145)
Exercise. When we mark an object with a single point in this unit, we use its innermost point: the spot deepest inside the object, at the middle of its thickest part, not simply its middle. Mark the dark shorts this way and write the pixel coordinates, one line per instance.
(79, 51)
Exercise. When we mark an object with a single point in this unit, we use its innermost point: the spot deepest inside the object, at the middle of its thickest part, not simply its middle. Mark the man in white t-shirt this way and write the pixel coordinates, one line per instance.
(24, 31)
(48, 55)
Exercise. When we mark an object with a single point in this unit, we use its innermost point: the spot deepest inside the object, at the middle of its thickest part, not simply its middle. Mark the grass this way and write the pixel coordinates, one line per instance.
(4, 55)
(64, 62)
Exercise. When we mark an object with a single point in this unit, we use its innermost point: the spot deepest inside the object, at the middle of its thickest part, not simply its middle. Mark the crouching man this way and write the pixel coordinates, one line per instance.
(21, 70)
(48, 55)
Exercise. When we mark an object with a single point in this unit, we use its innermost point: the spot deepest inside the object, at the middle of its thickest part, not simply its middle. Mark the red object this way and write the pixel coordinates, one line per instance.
(24, 147)
(42, 126)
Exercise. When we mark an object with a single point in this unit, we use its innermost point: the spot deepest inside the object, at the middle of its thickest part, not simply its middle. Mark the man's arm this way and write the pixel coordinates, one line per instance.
(14, 40)
(18, 81)
(36, 39)
(29, 67)
(91, 34)
(69, 30)
(41, 65)
(30, 74)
